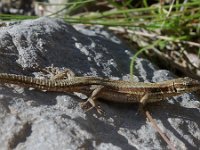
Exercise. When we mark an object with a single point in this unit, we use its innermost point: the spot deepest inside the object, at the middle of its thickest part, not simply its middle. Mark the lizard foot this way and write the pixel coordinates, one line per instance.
(63, 74)
(92, 101)
(87, 106)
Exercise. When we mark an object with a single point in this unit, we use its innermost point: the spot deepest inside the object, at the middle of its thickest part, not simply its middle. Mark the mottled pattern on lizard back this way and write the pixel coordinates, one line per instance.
(125, 91)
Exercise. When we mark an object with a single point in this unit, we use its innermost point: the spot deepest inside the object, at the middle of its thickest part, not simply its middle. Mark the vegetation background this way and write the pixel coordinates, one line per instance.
(165, 31)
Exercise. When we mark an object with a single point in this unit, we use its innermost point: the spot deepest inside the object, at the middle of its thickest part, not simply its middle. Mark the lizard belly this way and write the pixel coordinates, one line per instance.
(119, 97)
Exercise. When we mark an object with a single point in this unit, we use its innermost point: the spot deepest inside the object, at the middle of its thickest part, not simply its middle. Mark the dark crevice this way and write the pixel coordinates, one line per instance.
(20, 136)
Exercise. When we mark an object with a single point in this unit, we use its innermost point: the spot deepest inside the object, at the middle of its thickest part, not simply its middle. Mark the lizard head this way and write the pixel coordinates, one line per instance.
(186, 85)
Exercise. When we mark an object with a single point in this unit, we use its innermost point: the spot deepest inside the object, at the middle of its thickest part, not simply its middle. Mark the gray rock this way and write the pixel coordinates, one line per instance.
(31, 119)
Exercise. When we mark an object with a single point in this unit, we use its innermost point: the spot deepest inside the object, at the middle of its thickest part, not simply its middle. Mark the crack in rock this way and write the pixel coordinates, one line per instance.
(20, 136)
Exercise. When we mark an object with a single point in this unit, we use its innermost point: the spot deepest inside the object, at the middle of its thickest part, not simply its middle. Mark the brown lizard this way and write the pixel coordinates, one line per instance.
(107, 89)
(111, 90)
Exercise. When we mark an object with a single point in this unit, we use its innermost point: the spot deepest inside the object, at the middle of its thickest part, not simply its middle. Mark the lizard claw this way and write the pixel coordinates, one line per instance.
(86, 106)
(99, 110)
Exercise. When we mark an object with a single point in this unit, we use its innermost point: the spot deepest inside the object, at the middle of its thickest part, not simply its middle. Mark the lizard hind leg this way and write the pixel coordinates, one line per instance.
(92, 101)
(63, 74)
(56, 73)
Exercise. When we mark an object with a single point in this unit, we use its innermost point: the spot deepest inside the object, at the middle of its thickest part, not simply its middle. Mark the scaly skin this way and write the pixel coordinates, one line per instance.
(112, 90)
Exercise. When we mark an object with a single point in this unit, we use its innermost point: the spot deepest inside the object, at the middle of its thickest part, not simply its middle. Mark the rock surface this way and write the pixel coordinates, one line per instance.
(31, 119)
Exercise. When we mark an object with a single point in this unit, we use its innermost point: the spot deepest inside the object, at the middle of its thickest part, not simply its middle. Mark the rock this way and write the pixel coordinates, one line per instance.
(32, 119)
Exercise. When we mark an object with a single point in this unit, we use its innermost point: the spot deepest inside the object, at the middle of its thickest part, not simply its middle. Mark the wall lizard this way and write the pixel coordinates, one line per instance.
(107, 89)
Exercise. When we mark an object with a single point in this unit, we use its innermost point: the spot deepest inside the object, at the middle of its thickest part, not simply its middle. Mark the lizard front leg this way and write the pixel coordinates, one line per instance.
(92, 101)
(144, 111)
(142, 103)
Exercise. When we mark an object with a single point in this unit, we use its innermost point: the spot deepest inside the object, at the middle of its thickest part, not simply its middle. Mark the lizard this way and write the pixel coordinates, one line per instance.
(102, 88)
(108, 89)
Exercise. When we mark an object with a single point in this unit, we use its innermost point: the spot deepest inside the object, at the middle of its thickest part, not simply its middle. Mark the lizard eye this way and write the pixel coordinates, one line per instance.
(191, 82)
